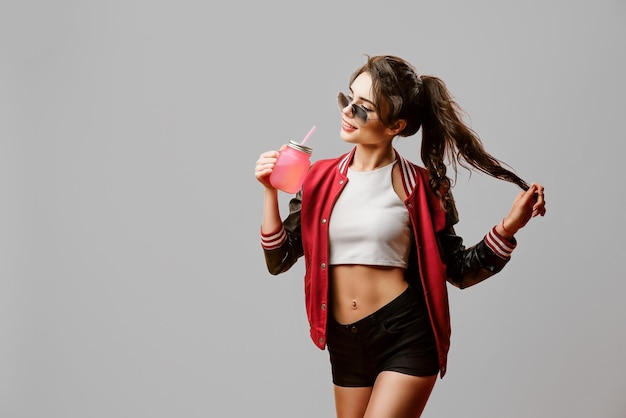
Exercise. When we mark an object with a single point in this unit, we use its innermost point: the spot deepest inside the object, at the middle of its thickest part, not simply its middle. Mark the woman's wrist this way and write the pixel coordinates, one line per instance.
(507, 231)
(270, 190)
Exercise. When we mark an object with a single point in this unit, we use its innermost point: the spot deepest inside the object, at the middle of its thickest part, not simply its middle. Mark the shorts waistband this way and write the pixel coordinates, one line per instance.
(366, 323)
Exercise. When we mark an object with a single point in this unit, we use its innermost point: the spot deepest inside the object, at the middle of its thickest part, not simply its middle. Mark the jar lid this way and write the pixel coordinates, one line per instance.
(300, 147)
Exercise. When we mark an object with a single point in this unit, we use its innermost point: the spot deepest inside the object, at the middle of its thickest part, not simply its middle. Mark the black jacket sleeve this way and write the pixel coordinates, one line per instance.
(281, 259)
(466, 267)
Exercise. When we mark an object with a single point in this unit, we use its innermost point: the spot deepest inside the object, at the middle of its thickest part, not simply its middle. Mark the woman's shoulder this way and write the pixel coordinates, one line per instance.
(411, 168)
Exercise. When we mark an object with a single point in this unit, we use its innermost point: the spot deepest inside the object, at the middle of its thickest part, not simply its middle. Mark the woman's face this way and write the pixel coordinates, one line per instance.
(354, 129)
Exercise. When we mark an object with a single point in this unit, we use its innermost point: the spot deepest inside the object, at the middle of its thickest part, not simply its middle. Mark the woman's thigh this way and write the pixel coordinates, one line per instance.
(351, 402)
(399, 395)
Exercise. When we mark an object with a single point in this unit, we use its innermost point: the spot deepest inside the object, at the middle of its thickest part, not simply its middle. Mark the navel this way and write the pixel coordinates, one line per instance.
(354, 304)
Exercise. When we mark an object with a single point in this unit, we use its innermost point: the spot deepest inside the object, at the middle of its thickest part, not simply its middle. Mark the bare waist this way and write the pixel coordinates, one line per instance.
(356, 291)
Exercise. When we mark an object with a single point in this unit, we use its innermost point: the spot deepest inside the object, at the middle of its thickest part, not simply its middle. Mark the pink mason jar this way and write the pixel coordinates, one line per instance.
(291, 167)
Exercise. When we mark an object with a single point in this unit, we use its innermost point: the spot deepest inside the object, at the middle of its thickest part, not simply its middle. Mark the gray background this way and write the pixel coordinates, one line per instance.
(132, 282)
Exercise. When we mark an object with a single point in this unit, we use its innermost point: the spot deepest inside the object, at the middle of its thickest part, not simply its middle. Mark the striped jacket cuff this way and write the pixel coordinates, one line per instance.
(273, 240)
(500, 245)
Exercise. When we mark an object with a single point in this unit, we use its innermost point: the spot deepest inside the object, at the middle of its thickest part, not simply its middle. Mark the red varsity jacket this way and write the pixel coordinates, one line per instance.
(439, 254)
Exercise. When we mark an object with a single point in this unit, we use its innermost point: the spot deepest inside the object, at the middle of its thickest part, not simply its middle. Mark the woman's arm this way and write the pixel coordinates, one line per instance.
(271, 213)
(281, 241)
(283, 246)
(466, 267)
(469, 266)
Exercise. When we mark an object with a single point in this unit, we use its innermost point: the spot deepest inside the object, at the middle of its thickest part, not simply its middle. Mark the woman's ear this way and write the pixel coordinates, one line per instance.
(397, 127)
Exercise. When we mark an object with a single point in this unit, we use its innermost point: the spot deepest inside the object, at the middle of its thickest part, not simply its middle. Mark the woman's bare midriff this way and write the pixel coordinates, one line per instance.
(358, 290)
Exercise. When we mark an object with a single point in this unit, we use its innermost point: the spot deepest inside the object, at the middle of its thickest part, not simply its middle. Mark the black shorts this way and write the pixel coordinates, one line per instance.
(398, 337)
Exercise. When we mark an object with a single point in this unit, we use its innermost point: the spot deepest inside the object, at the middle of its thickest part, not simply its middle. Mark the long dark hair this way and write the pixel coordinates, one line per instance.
(425, 102)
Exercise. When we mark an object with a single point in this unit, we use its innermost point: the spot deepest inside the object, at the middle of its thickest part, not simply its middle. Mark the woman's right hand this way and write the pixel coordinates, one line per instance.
(264, 167)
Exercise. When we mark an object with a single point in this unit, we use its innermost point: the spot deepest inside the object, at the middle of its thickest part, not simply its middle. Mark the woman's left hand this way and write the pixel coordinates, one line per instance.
(528, 204)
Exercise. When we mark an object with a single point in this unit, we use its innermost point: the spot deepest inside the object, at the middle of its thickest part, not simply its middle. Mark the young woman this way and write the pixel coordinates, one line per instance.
(377, 236)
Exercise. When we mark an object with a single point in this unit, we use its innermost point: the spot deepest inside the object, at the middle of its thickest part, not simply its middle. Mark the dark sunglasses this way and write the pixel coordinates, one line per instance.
(359, 113)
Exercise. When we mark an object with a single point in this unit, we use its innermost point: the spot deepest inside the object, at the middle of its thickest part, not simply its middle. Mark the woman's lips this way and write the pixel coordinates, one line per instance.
(347, 126)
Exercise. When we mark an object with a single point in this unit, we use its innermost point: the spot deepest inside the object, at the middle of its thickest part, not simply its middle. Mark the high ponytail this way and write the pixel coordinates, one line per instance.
(446, 136)
(425, 102)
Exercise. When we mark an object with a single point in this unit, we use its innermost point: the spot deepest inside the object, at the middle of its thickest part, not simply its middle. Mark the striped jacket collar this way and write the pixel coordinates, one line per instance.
(409, 170)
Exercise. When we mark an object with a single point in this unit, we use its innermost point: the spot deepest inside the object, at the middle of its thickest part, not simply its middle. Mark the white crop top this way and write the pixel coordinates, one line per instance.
(369, 223)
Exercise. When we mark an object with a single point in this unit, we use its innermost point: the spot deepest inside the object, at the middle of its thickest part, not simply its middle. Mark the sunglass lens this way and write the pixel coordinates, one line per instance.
(343, 101)
(358, 112)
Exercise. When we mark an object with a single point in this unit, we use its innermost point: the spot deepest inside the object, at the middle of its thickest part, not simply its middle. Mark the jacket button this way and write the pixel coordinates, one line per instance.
(340, 181)
(323, 220)
(321, 340)
(323, 306)
(323, 265)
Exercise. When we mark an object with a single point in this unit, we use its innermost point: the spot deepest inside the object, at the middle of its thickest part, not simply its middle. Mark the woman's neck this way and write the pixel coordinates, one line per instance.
(370, 159)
